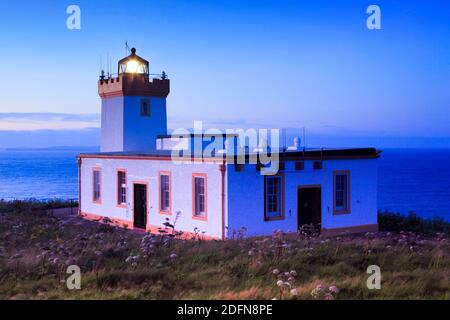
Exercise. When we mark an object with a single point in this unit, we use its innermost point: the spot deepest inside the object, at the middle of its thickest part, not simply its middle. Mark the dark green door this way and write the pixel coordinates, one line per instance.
(140, 206)
(309, 207)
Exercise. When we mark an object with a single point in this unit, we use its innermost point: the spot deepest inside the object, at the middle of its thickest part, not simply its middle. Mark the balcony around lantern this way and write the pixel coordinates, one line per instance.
(134, 84)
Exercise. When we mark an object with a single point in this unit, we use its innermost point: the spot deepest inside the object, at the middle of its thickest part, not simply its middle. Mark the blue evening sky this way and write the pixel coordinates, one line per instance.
(238, 63)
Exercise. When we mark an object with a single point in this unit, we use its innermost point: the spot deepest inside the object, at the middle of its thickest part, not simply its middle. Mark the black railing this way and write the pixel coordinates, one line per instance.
(161, 76)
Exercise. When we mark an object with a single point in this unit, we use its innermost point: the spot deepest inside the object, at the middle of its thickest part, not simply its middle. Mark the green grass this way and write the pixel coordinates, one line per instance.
(36, 248)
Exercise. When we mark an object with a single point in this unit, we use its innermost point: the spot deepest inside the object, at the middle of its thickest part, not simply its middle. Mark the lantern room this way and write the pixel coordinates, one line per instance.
(133, 64)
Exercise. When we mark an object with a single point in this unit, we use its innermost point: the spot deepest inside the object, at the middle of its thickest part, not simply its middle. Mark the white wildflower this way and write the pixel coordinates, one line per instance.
(333, 289)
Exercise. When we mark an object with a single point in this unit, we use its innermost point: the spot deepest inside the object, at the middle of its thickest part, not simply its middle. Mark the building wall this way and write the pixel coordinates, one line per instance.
(123, 127)
(146, 171)
(140, 132)
(112, 124)
(246, 196)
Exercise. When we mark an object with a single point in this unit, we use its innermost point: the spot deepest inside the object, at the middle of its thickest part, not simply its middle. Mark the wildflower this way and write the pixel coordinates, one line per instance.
(280, 283)
(276, 271)
(320, 287)
(329, 296)
(173, 255)
(294, 292)
(315, 293)
(333, 290)
(293, 273)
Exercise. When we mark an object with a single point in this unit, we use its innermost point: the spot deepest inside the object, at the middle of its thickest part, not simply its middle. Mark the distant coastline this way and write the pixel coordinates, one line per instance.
(57, 148)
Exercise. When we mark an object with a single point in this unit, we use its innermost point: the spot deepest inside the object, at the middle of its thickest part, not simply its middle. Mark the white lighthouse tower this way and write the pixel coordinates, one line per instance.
(133, 107)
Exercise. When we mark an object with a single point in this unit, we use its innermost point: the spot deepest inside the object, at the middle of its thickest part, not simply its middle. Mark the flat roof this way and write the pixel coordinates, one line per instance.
(196, 135)
(308, 154)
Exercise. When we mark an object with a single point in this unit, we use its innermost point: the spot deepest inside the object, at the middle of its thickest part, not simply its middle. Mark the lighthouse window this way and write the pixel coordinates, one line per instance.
(199, 185)
(145, 107)
(273, 197)
(341, 183)
(121, 188)
(96, 177)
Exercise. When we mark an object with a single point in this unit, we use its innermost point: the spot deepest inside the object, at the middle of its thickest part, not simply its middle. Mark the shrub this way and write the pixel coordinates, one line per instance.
(396, 222)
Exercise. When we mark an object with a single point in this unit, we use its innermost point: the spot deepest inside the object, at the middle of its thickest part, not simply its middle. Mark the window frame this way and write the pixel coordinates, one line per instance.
(141, 110)
(194, 197)
(121, 204)
(160, 209)
(99, 199)
(281, 215)
(347, 209)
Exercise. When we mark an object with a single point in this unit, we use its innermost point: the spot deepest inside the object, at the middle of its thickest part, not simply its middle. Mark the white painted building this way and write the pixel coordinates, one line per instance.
(136, 183)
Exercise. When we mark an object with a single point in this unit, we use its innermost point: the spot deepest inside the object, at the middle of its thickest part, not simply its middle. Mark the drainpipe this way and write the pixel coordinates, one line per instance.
(223, 169)
(79, 185)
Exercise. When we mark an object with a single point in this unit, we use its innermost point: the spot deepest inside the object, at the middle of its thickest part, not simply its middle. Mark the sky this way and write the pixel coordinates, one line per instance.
(235, 64)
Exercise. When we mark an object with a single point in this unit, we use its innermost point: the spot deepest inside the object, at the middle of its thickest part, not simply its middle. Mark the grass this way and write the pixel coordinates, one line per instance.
(35, 250)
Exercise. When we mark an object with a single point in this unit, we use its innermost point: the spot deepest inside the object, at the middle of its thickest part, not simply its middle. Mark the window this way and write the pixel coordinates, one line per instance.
(199, 182)
(164, 193)
(341, 185)
(121, 188)
(273, 198)
(96, 181)
(299, 165)
(317, 165)
(145, 107)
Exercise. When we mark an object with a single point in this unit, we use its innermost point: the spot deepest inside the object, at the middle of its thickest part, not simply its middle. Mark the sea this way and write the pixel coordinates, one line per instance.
(409, 180)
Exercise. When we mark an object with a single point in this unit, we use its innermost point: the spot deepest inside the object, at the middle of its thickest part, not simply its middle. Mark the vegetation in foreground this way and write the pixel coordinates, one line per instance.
(37, 248)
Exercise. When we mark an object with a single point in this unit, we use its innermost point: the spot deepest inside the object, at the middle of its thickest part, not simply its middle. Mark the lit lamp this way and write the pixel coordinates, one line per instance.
(133, 64)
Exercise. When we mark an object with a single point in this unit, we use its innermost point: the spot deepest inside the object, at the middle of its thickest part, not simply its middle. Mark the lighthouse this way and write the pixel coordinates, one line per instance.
(134, 110)
(134, 181)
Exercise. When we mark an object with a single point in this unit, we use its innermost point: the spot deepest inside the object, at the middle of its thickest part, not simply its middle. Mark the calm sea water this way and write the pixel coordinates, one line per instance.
(408, 180)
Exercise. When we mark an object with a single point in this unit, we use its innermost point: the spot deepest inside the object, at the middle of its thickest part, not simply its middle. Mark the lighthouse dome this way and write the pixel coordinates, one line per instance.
(133, 64)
